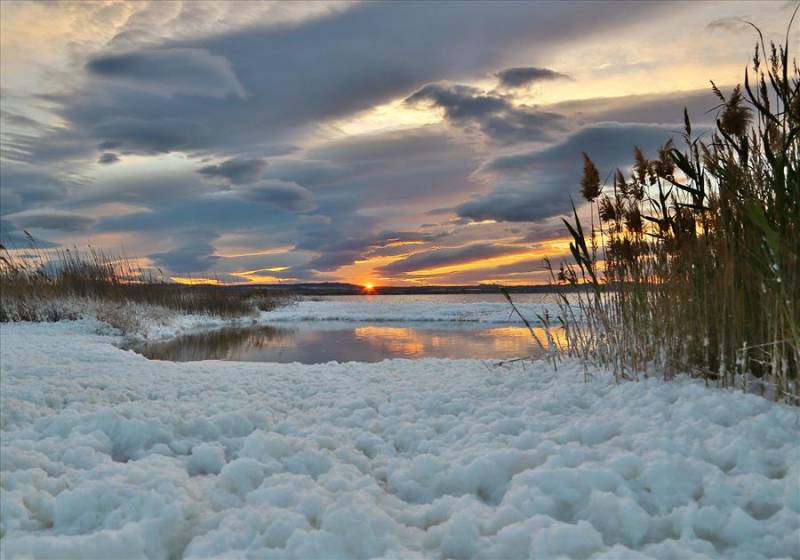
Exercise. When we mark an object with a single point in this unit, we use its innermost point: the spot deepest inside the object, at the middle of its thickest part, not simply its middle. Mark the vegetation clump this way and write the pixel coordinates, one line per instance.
(692, 259)
(52, 285)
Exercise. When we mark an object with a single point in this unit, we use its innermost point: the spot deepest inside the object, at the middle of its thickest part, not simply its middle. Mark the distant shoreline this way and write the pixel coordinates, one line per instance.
(343, 289)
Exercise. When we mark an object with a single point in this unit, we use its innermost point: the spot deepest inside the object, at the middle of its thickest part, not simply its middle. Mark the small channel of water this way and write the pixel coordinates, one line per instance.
(312, 343)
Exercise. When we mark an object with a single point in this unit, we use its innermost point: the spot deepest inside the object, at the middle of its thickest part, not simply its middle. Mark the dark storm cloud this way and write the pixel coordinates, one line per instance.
(52, 220)
(536, 185)
(448, 256)
(236, 170)
(526, 75)
(495, 116)
(188, 71)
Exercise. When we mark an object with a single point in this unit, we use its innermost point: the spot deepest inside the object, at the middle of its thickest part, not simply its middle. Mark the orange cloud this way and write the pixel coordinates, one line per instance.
(195, 281)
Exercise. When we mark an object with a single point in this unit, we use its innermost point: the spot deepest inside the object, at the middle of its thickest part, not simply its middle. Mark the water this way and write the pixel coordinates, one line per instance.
(311, 344)
(370, 329)
(439, 299)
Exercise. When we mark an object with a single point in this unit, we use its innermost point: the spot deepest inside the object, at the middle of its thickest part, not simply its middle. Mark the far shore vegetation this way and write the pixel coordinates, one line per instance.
(52, 285)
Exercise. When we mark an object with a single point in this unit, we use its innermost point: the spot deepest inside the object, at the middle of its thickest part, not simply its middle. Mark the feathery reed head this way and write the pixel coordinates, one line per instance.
(590, 182)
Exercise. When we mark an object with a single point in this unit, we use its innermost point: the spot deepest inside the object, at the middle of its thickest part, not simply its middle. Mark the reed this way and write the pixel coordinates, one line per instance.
(692, 258)
(50, 285)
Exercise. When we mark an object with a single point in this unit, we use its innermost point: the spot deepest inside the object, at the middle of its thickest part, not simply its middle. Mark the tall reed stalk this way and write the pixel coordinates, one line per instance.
(693, 257)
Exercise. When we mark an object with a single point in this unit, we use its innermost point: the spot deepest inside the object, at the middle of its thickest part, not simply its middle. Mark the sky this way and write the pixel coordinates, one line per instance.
(385, 143)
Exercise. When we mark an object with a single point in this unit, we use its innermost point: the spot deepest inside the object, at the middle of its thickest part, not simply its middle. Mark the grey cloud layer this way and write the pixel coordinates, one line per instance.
(299, 76)
(531, 186)
(252, 110)
(194, 254)
(63, 221)
(495, 116)
(236, 170)
(287, 196)
(172, 71)
(525, 75)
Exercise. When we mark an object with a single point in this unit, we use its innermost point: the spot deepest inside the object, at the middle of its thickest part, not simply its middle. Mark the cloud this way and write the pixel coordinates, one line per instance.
(731, 24)
(336, 254)
(134, 135)
(448, 256)
(309, 172)
(536, 185)
(108, 158)
(516, 204)
(20, 121)
(522, 76)
(24, 187)
(11, 237)
(194, 254)
(171, 71)
(383, 172)
(49, 144)
(495, 116)
(388, 148)
(52, 219)
(236, 170)
(288, 196)
(242, 93)
(659, 108)
(297, 78)
(340, 242)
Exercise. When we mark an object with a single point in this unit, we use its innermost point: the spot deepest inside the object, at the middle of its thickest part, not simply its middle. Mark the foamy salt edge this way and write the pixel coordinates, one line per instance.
(106, 454)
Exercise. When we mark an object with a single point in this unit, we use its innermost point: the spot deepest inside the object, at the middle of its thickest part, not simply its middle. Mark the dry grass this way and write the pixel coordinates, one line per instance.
(693, 258)
(39, 285)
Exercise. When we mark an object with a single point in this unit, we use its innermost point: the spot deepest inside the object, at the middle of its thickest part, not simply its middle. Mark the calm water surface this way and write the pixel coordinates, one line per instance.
(310, 344)
(343, 341)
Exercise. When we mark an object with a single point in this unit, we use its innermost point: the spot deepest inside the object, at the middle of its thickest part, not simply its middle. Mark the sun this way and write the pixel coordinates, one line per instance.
(369, 287)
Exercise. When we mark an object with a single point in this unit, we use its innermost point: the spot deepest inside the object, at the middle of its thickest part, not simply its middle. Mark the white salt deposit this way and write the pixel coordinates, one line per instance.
(420, 309)
(108, 455)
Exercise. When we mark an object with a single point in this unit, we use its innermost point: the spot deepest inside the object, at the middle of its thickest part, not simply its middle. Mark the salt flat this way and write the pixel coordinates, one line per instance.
(108, 455)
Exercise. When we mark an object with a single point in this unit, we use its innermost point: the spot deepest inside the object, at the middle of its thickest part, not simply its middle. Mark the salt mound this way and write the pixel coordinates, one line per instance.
(108, 455)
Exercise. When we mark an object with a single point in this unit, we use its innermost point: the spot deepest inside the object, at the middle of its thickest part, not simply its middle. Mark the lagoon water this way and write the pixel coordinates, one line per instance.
(370, 329)
(308, 343)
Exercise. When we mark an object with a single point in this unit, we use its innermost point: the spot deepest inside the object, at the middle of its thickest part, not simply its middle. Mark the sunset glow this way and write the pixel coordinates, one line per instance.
(195, 281)
(404, 163)
(365, 279)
